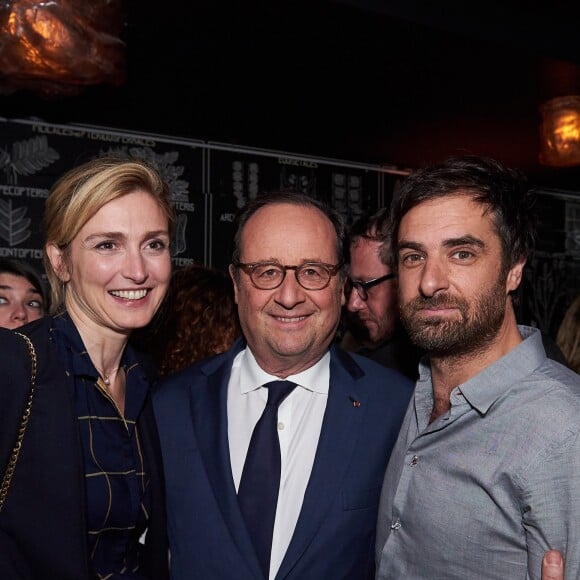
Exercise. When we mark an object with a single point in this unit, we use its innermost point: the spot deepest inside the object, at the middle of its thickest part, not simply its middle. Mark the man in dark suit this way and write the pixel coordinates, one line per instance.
(309, 511)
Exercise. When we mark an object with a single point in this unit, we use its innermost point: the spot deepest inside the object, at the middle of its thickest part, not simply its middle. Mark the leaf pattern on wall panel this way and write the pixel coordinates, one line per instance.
(27, 157)
(14, 225)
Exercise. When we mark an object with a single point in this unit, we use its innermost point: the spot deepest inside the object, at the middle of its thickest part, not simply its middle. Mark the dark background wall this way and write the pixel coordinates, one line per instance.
(374, 81)
(209, 182)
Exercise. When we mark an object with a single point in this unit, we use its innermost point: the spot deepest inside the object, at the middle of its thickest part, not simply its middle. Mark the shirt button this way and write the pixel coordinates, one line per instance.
(280, 426)
(396, 525)
(414, 461)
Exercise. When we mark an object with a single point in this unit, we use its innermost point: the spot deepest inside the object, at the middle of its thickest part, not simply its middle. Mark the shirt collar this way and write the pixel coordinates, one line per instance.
(315, 378)
(72, 349)
(491, 383)
(77, 363)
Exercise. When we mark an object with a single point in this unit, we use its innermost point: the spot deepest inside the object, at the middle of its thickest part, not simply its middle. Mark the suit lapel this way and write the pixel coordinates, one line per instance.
(209, 412)
(340, 429)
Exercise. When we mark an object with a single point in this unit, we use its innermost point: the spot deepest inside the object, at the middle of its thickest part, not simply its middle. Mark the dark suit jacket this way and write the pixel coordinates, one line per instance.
(42, 526)
(335, 533)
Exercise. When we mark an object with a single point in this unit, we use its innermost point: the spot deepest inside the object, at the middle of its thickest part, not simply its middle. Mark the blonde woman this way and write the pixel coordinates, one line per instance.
(86, 497)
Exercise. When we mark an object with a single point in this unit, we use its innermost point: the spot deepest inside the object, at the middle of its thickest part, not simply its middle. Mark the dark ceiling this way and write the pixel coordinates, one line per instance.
(401, 83)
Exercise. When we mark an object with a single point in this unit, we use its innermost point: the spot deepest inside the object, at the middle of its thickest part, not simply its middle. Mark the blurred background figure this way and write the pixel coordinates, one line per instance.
(22, 295)
(568, 337)
(371, 314)
(200, 320)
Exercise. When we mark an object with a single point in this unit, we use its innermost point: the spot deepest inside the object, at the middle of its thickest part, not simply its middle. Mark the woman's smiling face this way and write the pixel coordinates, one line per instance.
(118, 266)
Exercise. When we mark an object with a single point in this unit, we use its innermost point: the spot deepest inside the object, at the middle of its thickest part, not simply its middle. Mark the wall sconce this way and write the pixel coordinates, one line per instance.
(58, 47)
(560, 132)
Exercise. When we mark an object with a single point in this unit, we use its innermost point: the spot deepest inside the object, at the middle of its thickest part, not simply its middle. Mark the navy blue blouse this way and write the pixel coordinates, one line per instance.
(116, 479)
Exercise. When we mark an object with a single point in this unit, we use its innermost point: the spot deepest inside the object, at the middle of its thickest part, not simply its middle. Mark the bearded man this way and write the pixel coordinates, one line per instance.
(484, 476)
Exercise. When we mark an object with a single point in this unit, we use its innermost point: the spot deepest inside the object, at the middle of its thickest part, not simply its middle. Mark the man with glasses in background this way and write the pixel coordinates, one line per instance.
(371, 313)
(274, 452)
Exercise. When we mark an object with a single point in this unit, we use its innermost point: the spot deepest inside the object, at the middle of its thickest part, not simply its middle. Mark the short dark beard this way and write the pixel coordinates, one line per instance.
(477, 327)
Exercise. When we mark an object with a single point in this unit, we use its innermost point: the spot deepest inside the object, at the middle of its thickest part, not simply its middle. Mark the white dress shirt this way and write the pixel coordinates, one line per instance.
(299, 422)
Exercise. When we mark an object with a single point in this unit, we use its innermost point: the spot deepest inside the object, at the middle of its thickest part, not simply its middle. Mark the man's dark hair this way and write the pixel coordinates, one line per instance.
(292, 198)
(504, 193)
(376, 228)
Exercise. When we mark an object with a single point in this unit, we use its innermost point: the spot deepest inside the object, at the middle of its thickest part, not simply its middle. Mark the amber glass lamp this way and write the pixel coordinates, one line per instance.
(60, 46)
(560, 132)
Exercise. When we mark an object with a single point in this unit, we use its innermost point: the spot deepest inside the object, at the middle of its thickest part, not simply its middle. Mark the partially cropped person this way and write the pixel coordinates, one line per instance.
(22, 295)
(568, 337)
(86, 499)
(200, 320)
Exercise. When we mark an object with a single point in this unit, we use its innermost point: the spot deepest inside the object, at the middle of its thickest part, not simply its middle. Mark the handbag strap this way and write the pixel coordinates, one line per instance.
(7, 479)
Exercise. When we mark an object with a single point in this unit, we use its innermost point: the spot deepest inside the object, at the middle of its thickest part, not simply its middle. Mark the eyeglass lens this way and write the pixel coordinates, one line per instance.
(309, 276)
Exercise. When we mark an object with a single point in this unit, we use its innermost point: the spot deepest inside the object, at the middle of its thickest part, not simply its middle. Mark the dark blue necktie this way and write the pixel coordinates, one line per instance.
(260, 482)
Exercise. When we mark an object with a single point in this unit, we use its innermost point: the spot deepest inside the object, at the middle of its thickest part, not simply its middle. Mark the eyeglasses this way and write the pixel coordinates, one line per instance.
(362, 288)
(270, 275)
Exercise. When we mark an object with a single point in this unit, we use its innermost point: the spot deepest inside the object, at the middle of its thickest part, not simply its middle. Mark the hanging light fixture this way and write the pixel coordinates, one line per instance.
(60, 46)
(560, 132)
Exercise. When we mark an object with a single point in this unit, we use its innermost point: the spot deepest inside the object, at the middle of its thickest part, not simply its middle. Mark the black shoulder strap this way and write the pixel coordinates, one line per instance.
(19, 435)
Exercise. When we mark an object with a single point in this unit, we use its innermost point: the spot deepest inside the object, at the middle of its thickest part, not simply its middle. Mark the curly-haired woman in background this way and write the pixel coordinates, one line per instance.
(201, 319)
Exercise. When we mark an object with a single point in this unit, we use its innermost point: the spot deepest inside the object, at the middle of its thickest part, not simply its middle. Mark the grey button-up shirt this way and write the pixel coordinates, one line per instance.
(485, 489)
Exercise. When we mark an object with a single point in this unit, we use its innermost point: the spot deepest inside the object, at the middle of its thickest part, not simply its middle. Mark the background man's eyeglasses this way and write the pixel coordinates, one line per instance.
(362, 288)
(270, 275)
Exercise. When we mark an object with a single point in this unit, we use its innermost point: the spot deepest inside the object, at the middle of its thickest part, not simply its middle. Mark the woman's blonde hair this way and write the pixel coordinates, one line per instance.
(568, 337)
(81, 192)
